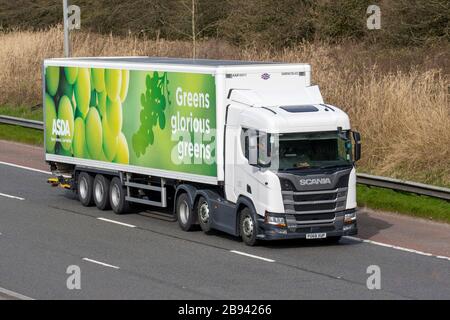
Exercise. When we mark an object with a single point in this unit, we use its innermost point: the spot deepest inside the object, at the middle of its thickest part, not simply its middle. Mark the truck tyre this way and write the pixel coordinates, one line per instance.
(101, 192)
(204, 214)
(185, 216)
(248, 227)
(84, 189)
(117, 195)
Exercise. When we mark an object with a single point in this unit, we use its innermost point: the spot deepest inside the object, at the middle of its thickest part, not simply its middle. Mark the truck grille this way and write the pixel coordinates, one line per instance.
(314, 217)
(313, 207)
(315, 197)
(315, 202)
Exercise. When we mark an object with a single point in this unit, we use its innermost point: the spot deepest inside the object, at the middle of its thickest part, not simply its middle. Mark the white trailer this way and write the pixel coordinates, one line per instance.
(248, 148)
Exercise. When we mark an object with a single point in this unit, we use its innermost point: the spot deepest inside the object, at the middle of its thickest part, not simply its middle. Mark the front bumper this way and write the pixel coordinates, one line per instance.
(337, 228)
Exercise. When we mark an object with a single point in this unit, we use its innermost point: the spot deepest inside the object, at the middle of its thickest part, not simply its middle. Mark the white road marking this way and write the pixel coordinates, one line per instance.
(101, 263)
(427, 254)
(252, 256)
(443, 257)
(23, 167)
(14, 294)
(117, 222)
(10, 196)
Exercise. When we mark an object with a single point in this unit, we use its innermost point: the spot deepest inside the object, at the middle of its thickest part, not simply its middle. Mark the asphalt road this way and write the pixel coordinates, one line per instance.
(44, 230)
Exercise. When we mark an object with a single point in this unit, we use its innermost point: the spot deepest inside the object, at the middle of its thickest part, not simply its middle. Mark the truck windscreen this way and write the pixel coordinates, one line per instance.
(294, 151)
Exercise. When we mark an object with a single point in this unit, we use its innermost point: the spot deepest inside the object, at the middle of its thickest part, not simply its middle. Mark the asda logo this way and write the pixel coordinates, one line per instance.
(60, 128)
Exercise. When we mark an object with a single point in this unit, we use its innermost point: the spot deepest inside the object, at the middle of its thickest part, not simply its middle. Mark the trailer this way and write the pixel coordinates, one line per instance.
(247, 148)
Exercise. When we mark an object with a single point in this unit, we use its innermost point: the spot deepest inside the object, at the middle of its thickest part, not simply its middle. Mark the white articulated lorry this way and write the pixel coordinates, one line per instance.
(247, 148)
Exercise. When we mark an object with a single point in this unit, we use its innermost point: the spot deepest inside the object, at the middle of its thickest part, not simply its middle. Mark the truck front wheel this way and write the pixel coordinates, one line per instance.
(186, 218)
(101, 192)
(248, 227)
(84, 189)
(117, 195)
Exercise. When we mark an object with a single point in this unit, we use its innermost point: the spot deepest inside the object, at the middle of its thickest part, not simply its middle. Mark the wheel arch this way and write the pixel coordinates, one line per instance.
(242, 203)
(185, 188)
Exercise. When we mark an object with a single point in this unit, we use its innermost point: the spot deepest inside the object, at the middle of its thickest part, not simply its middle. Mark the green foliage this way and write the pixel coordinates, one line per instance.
(336, 20)
(264, 22)
(416, 22)
(153, 102)
(402, 202)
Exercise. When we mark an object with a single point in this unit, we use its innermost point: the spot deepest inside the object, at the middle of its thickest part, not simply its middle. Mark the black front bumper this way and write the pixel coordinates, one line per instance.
(336, 229)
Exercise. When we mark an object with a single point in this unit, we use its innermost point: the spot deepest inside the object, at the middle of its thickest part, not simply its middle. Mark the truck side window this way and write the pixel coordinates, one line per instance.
(245, 143)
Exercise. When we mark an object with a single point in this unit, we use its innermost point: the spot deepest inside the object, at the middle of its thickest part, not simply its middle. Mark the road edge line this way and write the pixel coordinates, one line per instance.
(14, 294)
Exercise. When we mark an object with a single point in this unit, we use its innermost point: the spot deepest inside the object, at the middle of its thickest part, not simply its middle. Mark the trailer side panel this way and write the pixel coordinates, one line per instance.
(144, 121)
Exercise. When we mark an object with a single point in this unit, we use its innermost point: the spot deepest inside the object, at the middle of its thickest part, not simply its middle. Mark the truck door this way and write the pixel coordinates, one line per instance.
(231, 144)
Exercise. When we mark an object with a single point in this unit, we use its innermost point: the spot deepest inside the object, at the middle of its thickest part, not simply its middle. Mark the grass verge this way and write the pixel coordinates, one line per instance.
(404, 203)
(20, 134)
(22, 112)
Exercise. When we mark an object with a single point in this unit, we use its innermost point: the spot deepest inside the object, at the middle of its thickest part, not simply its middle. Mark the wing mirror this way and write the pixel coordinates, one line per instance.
(357, 147)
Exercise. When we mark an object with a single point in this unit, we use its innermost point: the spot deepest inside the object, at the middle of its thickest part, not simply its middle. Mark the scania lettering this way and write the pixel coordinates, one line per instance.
(246, 148)
(315, 181)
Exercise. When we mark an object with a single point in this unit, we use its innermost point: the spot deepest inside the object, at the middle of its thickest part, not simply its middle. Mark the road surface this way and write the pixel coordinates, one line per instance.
(44, 230)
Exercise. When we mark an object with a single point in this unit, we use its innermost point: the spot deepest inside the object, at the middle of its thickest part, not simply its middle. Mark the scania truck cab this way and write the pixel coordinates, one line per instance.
(293, 160)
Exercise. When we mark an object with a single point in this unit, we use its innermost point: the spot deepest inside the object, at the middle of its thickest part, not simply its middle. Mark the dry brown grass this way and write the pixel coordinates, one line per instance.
(403, 115)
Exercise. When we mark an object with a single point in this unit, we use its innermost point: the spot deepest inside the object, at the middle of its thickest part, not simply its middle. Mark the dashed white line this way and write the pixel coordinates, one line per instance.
(13, 294)
(427, 254)
(23, 167)
(101, 263)
(252, 256)
(117, 222)
(11, 197)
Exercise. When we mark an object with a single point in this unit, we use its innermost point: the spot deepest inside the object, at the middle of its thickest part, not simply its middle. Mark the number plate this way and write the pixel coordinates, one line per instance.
(320, 235)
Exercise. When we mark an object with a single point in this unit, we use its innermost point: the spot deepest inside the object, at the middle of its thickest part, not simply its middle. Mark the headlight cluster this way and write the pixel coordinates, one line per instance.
(275, 220)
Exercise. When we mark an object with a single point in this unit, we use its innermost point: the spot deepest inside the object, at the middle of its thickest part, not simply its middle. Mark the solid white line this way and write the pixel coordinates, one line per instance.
(252, 256)
(117, 222)
(443, 257)
(10, 196)
(101, 263)
(397, 247)
(14, 294)
(23, 167)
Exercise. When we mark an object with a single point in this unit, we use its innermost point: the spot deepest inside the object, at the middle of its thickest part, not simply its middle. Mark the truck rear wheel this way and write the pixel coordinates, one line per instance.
(117, 195)
(204, 214)
(84, 189)
(101, 192)
(248, 227)
(186, 218)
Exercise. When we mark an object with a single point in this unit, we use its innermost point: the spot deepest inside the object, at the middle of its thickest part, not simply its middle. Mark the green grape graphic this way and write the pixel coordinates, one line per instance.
(153, 102)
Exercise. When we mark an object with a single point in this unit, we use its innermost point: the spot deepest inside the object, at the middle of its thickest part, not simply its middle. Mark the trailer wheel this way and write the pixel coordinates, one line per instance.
(204, 214)
(84, 189)
(248, 227)
(186, 218)
(117, 195)
(101, 192)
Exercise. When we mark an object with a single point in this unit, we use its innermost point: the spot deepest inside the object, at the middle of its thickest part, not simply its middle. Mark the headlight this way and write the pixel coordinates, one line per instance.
(350, 218)
(275, 220)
